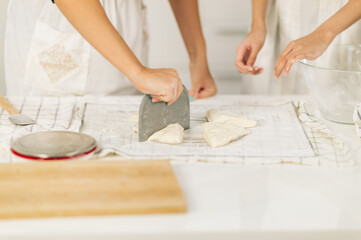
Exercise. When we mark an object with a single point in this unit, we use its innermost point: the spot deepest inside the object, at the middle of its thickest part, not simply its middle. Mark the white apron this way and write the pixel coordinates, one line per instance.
(45, 55)
(289, 20)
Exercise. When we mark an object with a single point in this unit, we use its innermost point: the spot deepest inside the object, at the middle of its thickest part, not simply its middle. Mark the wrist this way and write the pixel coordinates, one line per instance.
(326, 34)
(135, 73)
(199, 62)
(258, 27)
(199, 68)
(198, 55)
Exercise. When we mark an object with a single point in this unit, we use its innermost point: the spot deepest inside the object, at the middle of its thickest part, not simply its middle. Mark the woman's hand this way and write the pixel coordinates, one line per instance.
(203, 85)
(313, 45)
(163, 84)
(248, 50)
(309, 47)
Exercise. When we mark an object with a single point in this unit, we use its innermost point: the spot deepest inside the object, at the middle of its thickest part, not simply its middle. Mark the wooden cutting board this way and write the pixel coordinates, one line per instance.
(82, 188)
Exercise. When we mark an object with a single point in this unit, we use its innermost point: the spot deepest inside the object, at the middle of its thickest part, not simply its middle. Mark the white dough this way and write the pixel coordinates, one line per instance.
(220, 134)
(221, 116)
(172, 134)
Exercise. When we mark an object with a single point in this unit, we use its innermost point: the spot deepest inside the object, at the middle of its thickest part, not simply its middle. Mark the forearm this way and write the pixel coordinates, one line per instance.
(341, 20)
(187, 16)
(259, 10)
(90, 20)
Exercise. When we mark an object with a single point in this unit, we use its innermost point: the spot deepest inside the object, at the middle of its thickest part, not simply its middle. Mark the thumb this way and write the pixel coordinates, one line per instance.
(240, 55)
(193, 93)
(252, 58)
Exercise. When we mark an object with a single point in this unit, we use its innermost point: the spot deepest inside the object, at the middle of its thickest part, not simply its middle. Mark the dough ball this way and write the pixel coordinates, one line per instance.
(172, 134)
(221, 116)
(220, 134)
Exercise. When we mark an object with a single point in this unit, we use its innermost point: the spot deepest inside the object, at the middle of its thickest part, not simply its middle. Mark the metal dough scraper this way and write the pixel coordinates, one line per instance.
(156, 116)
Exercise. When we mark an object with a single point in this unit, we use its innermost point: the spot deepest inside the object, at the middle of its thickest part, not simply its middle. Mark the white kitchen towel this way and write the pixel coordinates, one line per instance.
(357, 119)
(330, 151)
(49, 113)
(286, 133)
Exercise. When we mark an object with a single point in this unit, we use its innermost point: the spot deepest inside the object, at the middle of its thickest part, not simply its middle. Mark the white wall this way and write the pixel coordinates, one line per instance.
(3, 10)
(224, 24)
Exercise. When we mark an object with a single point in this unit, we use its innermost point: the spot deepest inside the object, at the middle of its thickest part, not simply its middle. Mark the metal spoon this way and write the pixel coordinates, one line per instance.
(16, 117)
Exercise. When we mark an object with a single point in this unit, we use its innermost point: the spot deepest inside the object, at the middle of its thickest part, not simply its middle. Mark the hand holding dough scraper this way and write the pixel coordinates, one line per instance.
(154, 116)
(16, 117)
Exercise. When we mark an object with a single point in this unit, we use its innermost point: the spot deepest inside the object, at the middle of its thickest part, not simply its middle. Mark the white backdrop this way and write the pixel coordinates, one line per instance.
(224, 24)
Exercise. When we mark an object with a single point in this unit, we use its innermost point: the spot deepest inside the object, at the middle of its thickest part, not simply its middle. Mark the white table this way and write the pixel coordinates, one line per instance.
(230, 201)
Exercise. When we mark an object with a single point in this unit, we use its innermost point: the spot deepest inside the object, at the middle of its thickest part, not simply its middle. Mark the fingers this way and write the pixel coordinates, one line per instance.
(245, 59)
(241, 59)
(280, 64)
(257, 71)
(295, 51)
(252, 70)
(203, 90)
(253, 55)
(194, 92)
(166, 86)
(285, 64)
(288, 49)
(198, 92)
(282, 59)
(292, 61)
(155, 98)
(241, 50)
(179, 90)
(287, 59)
(171, 85)
(207, 92)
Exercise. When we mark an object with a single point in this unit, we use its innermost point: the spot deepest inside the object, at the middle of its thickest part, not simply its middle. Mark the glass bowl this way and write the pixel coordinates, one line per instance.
(334, 81)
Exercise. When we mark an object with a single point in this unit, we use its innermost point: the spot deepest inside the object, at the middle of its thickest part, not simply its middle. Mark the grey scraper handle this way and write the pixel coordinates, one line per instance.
(156, 116)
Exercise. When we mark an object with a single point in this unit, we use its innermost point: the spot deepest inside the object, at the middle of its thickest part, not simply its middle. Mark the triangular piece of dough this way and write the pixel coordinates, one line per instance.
(221, 116)
(220, 134)
(172, 134)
